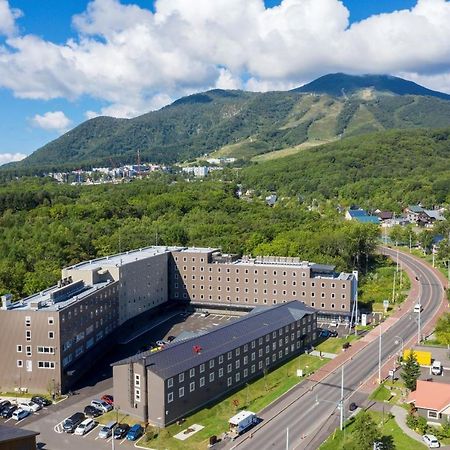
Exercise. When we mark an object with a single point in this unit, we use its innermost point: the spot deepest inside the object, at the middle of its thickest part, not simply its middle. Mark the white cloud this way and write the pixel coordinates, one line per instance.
(52, 121)
(9, 157)
(135, 60)
(8, 18)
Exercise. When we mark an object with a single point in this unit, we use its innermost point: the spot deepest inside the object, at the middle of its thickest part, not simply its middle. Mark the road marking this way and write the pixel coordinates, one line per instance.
(58, 428)
(7, 420)
(123, 440)
(90, 431)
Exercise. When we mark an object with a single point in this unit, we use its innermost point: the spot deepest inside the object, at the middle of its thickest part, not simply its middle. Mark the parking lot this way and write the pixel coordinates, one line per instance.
(48, 421)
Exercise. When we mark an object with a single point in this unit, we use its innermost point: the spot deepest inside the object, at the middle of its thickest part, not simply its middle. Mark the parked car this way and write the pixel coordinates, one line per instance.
(29, 406)
(436, 368)
(107, 430)
(431, 441)
(92, 411)
(20, 414)
(4, 404)
(135, 432)
(84, 427)
(161, 343)
(41, 401)
(108, 399)
(171, 338)
(352, 406)
(73, 421)
(121, 430)
(325, 333)
(204, 314)
(101, 404)
(7, 411)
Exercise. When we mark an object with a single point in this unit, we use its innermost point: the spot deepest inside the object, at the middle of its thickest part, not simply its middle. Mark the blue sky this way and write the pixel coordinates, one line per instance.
(123, 61)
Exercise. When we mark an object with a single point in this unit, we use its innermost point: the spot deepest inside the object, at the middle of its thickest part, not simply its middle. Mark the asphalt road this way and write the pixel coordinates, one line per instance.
(307, 415)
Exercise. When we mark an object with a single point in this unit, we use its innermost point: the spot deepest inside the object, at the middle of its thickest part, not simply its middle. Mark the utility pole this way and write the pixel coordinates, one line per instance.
(342, 399)
(379, 356)
(393, 288)
(287, 438)
(409, 241)
(418, 323)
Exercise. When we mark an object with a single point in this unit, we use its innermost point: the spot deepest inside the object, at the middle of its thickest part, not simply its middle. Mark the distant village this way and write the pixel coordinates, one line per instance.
(126, 173)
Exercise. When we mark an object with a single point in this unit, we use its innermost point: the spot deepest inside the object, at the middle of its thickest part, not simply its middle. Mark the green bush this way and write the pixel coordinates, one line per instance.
(422, 425)
(411, 421)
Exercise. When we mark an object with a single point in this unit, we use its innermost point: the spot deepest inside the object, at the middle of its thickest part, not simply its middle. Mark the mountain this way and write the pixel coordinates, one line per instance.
(341, 84)
(246, 124)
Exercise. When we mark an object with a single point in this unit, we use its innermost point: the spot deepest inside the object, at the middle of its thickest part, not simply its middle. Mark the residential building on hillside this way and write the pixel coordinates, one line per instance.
(163, 387)
(360, 215)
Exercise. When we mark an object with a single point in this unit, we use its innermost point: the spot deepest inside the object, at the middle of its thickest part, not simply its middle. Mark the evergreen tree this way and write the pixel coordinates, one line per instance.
(365, 431)
(411, 371)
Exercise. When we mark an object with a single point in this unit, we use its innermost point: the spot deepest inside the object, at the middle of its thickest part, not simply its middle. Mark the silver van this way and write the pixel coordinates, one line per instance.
(107, 430)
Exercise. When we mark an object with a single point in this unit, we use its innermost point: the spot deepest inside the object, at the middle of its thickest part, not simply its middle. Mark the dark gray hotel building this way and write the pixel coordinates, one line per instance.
(162, 387)
(48, 338)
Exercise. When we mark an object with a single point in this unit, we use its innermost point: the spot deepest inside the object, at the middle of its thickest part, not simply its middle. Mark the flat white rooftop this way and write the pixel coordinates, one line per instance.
(124, 258)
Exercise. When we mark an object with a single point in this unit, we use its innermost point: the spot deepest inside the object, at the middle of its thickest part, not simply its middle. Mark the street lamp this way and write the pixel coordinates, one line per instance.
(340, 404)
(401, 341)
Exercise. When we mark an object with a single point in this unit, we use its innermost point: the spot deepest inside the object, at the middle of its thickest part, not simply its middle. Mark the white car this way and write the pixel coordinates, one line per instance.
(101, 405)
(29, 406)
(20, 414)
(84, 427)
(431, 441)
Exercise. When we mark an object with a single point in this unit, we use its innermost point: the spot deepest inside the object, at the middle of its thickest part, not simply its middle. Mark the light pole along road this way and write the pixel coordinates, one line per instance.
(306, 416)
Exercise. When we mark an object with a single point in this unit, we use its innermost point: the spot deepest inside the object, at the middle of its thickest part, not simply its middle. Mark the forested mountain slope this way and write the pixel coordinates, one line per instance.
(245, 124)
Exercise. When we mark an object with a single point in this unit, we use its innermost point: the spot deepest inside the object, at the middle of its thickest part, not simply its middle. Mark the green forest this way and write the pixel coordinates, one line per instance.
(386, 170)
(45, 226)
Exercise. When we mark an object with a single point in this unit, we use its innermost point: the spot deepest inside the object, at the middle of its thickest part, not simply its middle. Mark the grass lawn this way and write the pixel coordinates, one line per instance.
(121, 416)
(334, 344)
(254, 397)
(342, 440)
(377, 286)
(380, 394)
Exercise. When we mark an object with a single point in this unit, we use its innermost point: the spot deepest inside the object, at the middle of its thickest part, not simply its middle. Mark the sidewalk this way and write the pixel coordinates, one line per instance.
(400, 417)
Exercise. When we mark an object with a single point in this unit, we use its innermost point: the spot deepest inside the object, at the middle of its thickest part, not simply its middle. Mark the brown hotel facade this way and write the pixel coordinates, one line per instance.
(51, 337)
(205, 277)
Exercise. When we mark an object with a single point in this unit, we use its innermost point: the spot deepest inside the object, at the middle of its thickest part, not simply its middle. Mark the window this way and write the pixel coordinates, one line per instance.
(137, 394)
(238, 364)
(202, 368)
(27, 321)
(181, 392)
(19, 348)
(221, 372)
(211, 377)
(170, 397)
(211, 364)
(19, 363)
(238, 351)
(28, 350)
(28, 335)
(432, 414)
(245, 360)
(78, 351)
(137, 380)
(46, 350)
(229, 355)
(181, 377)
(170, 382)
(238, 377)
(192, 386)
(229, 381)
(192, 372)
(220, 359)
(229, 368)
(51, 335)
(245, 373)
(51, 320)
(202, 381)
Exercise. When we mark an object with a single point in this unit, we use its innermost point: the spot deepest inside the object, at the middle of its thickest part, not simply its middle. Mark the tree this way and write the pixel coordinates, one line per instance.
(443, 329)
(411, 371)
(365, 431)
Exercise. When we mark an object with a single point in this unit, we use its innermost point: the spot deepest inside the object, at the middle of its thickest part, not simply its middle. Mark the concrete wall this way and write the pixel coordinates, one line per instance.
(12, 334)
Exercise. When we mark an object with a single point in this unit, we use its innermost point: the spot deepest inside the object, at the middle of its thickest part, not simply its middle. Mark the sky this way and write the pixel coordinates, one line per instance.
(63, 62)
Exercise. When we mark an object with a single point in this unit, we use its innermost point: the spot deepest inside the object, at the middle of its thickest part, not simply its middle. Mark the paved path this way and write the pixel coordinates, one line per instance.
(400, 415)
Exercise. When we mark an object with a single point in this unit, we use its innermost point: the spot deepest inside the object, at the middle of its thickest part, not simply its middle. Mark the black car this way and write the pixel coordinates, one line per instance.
(73, 421)
(121, 430)
(352, 406)
(92, 411)
(7, 411)
(41, 401)
(171, 338)
(4, 404)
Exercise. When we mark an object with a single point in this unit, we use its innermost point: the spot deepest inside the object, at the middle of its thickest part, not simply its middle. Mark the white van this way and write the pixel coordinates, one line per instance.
(418, 308)
(436, 368)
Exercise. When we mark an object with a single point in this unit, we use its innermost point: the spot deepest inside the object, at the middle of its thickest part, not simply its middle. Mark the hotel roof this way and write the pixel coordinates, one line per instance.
(178, 357)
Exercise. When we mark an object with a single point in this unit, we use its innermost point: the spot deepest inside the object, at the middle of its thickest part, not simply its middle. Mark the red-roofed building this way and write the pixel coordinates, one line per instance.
(432, 400)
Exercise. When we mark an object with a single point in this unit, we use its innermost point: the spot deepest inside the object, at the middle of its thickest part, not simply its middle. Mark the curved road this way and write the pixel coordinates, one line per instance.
(306, 416)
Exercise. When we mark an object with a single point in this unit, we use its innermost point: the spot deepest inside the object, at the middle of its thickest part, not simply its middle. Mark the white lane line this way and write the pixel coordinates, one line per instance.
(122, 441)
(58, 428)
